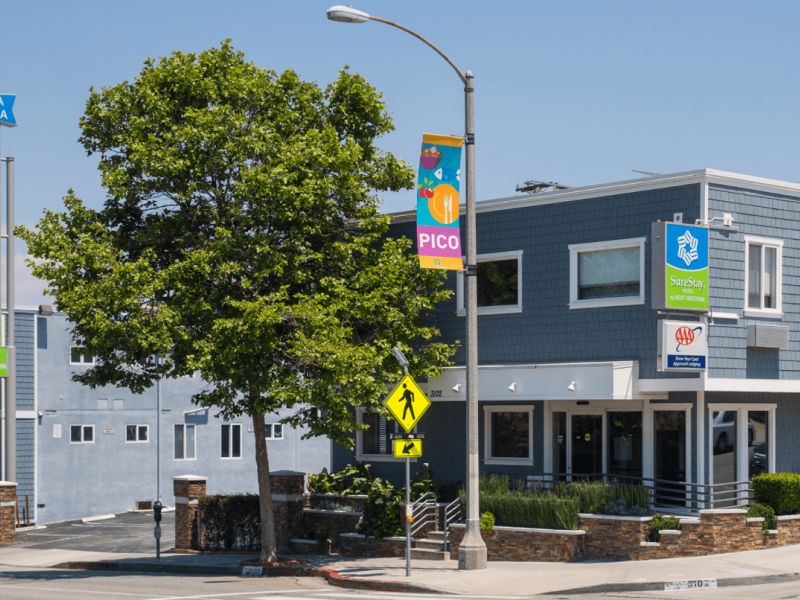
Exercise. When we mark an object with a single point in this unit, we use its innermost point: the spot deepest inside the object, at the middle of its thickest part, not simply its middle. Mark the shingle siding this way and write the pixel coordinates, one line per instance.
(26, 443)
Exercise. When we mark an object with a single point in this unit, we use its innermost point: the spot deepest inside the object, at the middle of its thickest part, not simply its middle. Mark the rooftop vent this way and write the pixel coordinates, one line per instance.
(534, 187)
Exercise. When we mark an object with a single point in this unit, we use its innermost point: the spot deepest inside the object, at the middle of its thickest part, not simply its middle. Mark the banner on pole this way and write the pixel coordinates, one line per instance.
(438, 235)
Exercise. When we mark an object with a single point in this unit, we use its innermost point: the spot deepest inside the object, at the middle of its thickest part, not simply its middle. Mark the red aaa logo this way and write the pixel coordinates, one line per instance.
(684, 336)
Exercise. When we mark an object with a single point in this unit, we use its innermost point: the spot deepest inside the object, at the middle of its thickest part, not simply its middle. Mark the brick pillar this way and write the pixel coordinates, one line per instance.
(187, 489)
(287, 502)
(8, 503)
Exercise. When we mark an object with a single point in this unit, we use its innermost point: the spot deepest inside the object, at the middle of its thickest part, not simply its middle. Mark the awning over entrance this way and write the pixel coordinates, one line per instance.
(612, 380)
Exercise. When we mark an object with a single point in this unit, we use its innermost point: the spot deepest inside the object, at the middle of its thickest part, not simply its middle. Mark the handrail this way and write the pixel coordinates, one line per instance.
(420, 512)
(452, 512)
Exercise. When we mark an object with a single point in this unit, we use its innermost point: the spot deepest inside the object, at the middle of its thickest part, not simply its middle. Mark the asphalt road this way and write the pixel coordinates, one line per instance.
(126, 533)
(53, 584)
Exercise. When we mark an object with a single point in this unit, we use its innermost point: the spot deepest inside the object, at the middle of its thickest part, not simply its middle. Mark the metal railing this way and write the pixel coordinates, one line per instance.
(663, 493)
(452, 513)
(424, 511)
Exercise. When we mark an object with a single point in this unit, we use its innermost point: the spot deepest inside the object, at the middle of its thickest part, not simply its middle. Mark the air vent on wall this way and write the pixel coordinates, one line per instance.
(767, 336)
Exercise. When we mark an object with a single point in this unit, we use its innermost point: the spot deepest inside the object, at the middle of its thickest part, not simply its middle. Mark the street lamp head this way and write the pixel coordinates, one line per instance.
(345, 14)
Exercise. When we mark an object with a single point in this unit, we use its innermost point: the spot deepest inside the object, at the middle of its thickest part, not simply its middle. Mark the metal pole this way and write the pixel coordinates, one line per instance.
(11, 380)
(408, 523)
(158, 434)
(472, 550)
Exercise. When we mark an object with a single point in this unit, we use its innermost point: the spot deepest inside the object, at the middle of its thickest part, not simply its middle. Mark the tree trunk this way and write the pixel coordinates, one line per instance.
(268, 550)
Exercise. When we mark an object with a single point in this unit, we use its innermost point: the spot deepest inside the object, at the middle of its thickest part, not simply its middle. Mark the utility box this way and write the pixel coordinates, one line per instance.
(767, 336)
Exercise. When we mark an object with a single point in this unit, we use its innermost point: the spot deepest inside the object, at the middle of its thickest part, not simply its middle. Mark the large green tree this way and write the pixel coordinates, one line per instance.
(240, 238)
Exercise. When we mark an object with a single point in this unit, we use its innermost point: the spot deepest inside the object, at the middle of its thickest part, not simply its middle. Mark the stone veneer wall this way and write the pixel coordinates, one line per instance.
(187, 489)
(8, 503)
(612, 538)
(336, 522)
(356, 501)
(520, 544)
(287, 503)
(357, 544)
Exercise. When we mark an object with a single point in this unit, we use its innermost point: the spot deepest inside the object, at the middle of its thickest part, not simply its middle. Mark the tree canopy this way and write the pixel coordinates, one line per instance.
(241, 238)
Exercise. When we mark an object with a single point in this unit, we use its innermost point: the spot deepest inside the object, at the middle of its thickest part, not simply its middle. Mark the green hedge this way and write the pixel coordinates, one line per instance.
(762, 510)
(592, 497)
(525, 510)
(780, 491)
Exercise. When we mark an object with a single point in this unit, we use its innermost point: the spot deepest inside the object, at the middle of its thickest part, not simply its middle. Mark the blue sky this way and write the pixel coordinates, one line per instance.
(575, 92)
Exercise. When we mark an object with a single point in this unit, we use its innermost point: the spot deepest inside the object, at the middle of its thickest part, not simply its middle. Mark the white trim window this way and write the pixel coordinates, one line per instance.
(77, 356)
(274, 431)
(607, 273)
(376, 443)
(231, 440)
(508, 434)
(81, 434)
(499, 284)
(184, 442)
(137, 434)
(763, 275)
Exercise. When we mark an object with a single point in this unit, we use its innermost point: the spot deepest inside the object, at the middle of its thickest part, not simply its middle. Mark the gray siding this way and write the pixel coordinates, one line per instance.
(25, 462)
(765, 215)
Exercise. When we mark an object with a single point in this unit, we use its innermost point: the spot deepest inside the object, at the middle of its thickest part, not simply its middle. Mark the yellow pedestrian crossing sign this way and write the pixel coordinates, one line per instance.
(407, 448)
(407, 403)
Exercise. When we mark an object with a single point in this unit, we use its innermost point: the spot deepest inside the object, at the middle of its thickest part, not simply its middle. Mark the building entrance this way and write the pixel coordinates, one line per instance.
(587, 444)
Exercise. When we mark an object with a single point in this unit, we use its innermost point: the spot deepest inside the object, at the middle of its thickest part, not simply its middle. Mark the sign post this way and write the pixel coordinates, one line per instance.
(407, 403)
(7, 120)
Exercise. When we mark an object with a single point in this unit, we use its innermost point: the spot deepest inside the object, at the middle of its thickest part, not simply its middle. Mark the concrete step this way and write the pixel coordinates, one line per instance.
(436, 535)
(429, 544)
(422, 554)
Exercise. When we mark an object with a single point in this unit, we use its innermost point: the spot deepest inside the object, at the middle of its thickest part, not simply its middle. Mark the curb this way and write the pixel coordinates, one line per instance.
(658, 586)
(331, 576)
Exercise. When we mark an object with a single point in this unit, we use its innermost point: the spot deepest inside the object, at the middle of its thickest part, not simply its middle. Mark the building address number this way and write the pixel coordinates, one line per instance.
(435, 394)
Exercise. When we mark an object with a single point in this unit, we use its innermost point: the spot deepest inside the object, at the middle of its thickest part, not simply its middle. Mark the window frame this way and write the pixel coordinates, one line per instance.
(184, 425)
(81, 355)
(83, 440)
(488, 409)
(271, 429)
(230, 441)
(576, 249)
(137, 440)
(360, 455)
(773, 313)
(491, 310)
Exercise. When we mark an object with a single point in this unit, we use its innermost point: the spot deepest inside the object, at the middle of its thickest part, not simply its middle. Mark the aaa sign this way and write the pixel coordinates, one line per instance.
(407, 403)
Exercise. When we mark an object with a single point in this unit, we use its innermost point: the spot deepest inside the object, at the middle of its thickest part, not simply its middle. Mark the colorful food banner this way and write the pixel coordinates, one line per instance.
(438, 235)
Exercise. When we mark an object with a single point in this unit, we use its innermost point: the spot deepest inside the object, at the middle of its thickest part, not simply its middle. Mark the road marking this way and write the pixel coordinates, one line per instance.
(250, 593)
(405, 596)
(27, 587)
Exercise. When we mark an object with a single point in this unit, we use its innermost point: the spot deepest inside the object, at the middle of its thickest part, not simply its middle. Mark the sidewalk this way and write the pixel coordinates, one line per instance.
(500, 579)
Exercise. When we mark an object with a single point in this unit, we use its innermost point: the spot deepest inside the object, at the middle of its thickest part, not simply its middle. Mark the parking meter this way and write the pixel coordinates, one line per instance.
(157, 506)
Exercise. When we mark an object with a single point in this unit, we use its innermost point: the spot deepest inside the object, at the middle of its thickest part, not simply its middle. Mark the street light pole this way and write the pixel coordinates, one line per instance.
(472, 550)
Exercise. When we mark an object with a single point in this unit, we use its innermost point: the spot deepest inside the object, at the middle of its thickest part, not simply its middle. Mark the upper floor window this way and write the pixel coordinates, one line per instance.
(499, 283)
(763, 276)
(231, 446)
(607, 273)
(274, 431)
(78, 356)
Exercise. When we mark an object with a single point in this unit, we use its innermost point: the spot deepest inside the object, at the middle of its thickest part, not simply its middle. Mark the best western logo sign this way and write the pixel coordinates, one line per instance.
(680, 266)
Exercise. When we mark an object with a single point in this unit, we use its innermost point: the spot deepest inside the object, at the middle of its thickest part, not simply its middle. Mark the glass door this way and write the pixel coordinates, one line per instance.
(757, 442)
(625, 444)
(587, 444)
(725, 430)
(560, 444)
(670, 456)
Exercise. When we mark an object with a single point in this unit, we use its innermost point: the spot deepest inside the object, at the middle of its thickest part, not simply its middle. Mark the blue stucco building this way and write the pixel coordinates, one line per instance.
(84, 452)
(569, 375)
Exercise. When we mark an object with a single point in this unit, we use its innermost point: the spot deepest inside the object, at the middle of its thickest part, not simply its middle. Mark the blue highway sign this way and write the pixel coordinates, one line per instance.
(6, 110)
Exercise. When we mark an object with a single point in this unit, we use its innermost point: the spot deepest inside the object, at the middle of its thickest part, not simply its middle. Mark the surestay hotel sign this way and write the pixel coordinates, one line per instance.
(680, 267)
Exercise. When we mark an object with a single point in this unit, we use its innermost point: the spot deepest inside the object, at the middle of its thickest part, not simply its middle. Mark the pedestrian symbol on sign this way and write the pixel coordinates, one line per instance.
(407, 403)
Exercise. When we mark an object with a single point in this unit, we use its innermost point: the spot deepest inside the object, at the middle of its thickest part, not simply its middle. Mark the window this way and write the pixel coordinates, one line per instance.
(375, 443)
(78, 356)
(274, 431)
(508, 435)
(763, 275)
(607, 273)
(135, 434)
(499, 283)
(81, 434)
(231, 441)
(185, 442)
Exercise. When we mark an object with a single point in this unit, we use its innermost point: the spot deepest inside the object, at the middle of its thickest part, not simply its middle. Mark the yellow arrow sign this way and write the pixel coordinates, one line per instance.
(407, 403)
(407, 448)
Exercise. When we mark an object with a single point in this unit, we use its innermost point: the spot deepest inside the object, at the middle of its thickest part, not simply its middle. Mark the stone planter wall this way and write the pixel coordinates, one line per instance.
(612, 538)
(357, 502)
(8, 507)
(187, 489)
(299, 546)
(520, 544)
(356, 544)
(336, 522)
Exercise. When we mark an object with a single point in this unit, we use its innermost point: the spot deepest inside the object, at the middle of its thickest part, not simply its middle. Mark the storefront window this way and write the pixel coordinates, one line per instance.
(510, 435)
(670, 456)
(757, 442)
(625, 443)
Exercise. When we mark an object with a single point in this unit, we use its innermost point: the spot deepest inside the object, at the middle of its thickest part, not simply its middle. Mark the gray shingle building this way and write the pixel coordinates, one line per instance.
(569, 378)
(84, 452)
